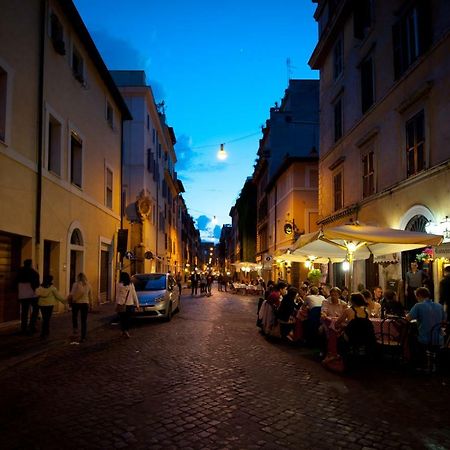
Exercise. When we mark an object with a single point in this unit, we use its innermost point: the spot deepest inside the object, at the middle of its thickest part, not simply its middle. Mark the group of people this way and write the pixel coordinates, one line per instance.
(309, 312)
(36, 297)
(203, 281)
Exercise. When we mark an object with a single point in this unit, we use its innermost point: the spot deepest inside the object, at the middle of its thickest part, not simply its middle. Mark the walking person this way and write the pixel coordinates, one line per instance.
(126, 302)
(80, 298)
(48, 297)
(27, 283)
(178, 280)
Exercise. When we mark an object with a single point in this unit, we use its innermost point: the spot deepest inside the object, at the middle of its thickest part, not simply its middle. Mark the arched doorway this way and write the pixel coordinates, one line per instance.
(76, 255)
(417, 223)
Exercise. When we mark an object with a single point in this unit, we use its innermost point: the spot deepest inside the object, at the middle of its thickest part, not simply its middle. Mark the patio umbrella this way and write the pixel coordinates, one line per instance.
(356, 242)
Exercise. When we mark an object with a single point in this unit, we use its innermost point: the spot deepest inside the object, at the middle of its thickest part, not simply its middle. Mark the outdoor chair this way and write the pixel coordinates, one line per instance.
(311, 325)
(437, 349)
(391, 339)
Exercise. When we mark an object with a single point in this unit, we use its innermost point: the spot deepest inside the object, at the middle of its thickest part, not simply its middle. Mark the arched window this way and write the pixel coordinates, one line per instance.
(417, 223)
(76, 238)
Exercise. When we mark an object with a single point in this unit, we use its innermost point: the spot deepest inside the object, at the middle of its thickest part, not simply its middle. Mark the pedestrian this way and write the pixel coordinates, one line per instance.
(80, 298)
(194, 283)
(415, 278)
(209, 282)
(178, 280)
(27, 283)
(444, 291)
(126, 302)
(48, 296)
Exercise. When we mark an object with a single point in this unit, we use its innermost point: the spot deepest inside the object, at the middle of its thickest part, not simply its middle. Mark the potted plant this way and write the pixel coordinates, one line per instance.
(314, 276)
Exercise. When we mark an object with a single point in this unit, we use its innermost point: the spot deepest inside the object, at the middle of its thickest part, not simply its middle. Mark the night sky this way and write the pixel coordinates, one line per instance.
(219, 68)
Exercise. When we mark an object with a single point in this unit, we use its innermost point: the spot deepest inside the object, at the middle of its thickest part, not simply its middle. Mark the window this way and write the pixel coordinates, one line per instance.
(77, 65)
(3, 92)
(338, 120)
(159, 150)
(76, 160)
(367, 84)
(415, 144)
(368, 174)
(150, 160)
(338, 56)
(153, 136)
(337, 191)
(411, 35)
(362, 18)
(57, 34)
(148, 122)
(313, 178)
(108, 188)
(109, 114)
(54, 145)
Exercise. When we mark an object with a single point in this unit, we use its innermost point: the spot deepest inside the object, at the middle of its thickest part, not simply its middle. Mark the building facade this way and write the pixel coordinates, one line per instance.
(151, 190)
(60, 151)
(286, 179)
(385, 140)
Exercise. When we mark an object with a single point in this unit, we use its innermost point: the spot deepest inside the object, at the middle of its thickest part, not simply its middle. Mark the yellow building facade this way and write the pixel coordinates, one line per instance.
(60, 151)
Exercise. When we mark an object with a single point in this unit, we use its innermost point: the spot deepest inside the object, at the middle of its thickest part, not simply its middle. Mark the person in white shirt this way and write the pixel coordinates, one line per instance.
(126, 302)
(313, 299)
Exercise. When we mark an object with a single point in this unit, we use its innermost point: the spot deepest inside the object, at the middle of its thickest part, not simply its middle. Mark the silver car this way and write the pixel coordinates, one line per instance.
(157, 295)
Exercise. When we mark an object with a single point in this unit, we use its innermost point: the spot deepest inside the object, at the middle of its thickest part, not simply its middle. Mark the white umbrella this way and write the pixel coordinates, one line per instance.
(355, 242)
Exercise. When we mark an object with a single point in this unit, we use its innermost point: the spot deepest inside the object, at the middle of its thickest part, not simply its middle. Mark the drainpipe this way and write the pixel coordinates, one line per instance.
(122, 210)
(40, 132)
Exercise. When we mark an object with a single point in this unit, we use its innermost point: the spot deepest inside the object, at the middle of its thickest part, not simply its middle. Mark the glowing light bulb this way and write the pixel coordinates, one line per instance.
(222, 154)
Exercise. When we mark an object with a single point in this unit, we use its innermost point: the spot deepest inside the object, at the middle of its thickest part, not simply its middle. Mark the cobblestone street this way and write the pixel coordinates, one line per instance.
(209, 380)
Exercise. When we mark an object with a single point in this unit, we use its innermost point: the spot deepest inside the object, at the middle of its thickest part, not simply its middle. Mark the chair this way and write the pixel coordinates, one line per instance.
(392, 337)
(312, 324)
(438, 342)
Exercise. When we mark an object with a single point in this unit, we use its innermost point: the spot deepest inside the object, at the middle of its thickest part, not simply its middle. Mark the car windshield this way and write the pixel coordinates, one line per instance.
(151, 282)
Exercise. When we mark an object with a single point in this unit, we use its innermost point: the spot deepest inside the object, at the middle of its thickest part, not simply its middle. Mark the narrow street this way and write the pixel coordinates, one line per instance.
(209, 380)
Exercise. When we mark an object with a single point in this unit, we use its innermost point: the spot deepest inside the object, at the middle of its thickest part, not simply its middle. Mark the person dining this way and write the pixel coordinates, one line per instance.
(373, 308)
(428, 315)
(358, 330)
(333, 306)
(313, 299)
(391, 306)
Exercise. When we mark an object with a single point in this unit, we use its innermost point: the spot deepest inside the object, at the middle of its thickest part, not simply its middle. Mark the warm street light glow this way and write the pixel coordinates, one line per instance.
(346, 266)
(222, 154)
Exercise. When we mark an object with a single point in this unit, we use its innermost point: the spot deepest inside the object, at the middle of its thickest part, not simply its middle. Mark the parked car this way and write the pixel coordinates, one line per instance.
(157, 295)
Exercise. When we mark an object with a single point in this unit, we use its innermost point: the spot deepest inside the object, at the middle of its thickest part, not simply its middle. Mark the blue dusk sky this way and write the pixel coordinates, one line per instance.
(219, 67)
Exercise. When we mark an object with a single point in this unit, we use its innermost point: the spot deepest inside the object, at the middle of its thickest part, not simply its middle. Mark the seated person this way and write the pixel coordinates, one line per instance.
(358, 329)
(373, 308)
(390, 305)
(277, 293)
(428, 315)
(333, 306)
(345, 294)
(313, 299)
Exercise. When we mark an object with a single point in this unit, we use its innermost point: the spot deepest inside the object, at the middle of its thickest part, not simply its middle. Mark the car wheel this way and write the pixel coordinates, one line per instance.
(169, 313)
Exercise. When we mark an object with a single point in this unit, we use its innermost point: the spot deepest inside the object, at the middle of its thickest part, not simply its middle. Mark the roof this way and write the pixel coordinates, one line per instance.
(80, 28)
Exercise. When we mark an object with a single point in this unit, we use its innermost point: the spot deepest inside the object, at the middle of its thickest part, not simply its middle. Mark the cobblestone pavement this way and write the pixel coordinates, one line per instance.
(209, 380)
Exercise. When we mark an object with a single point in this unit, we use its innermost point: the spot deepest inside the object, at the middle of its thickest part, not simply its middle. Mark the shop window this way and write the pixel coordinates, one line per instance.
(411, 35)
(415, 144)
(337, 191)
(337, 113)
(54, 131)
(76, 160)
(368, 174)
(3, 93)
(109, 187)
(367, 84)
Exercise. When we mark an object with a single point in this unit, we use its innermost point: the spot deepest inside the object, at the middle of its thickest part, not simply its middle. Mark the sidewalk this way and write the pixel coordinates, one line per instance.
(16, 348)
